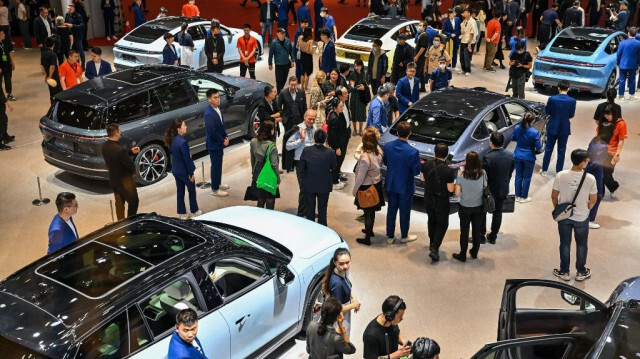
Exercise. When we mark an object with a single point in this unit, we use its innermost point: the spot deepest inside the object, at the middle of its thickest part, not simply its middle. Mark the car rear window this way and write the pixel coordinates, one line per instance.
(366, 32)
(433, 127)
(575, 45)
(78, 116)
(13, 350)
(147, 34)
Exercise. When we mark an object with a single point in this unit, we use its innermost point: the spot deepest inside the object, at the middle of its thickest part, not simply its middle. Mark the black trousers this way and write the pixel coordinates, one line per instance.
(420, 73)
(470, 216)
(496, 220)
(54, 90)
(437, 225)
(323, 201)
(85, 43)
(369, 220)
(535, 20)
(251, 68)
(77, 45)
(126, 192)
(215, 68)
(301, 197)
(608, 181)
(4, 122)
(594, 17)
(5, 76)
(292, 8)
(375, 85)
(282, 72)
(339, 161)
(544, 35)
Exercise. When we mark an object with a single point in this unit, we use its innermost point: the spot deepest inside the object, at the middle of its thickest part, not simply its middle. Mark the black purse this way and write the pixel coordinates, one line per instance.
(565, 210)
(488, 202)
(509, 204)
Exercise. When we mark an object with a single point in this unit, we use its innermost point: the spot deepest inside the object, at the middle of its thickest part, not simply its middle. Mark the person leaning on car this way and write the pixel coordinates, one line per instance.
(214, 48)
(184, 342)
(122, 171)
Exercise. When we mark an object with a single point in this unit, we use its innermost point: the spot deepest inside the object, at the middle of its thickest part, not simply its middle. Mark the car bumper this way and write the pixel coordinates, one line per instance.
(580, 79)
(82, 165)
(124, 59)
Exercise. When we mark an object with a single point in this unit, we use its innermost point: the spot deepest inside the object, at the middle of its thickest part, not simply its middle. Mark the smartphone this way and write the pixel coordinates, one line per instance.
(407, 343)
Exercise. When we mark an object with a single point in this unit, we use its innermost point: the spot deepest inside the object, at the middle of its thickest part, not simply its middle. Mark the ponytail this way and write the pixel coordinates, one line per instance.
(330, 268)
(527, 119)
(183, 29)
(172, 131)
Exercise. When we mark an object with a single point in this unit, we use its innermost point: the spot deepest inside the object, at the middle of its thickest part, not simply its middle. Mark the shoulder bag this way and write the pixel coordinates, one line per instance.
(369, 197)
(267, 179)
(565, 210)
(488, 202)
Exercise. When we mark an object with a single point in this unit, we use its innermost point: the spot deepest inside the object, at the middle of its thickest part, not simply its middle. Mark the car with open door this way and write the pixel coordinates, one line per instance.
(544, 319)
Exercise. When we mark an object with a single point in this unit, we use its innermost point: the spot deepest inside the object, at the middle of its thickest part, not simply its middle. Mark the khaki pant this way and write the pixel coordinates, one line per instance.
(489, 55)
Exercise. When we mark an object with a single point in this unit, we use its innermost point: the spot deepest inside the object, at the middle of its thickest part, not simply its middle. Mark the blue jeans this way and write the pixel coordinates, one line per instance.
(548, 150)
(581, 232)
(402, 202)
(627, 76)
(267, 26)
(524, 170)
(181, 182)
(216, 168)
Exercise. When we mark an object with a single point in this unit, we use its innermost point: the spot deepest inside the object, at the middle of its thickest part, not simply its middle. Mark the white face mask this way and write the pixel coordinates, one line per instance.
(436, 43)
(520, 52)
(443, 66)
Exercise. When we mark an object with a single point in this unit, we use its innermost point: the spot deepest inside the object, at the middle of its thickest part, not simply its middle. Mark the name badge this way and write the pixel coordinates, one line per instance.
(215, 54)
(246, 53)
(4, 58)
(78, 79)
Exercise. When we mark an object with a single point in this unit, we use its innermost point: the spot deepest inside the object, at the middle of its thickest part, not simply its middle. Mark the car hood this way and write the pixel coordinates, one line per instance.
(625, 291)
(302, 237)
(425, 149)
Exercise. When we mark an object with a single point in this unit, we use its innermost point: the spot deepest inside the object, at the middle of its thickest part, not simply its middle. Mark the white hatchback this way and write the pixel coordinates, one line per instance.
(144, 44)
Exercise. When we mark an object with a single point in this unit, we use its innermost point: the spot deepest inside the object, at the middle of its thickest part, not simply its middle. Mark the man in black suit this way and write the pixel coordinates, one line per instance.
(77, 29)
(317, 164)
(498, 163)
(122, 171)
(573, 16)
(267, 18)
(42, 28)
(594, 9)
(214, 48)
(292, 104)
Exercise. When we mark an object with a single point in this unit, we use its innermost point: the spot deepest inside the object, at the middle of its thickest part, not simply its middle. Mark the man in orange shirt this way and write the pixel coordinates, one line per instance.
(70, 71)
(190, 9)
(493, 37)
(247, 47)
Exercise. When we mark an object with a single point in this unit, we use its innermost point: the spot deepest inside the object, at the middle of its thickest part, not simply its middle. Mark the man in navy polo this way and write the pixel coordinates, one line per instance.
(184, 342)
(561, 109)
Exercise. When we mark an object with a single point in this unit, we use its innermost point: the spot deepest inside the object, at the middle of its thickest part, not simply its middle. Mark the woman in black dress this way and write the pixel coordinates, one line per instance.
(305, 45)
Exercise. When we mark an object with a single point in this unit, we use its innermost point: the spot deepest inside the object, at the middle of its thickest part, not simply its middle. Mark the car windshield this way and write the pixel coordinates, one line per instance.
(583, 46)
(147, 33)
(433, 127)
(78, 116)
(623, 341)
(366, 32)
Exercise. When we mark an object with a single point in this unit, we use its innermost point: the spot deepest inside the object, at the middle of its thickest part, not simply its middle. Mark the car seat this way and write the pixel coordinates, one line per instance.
(110, 339)
(176, 298)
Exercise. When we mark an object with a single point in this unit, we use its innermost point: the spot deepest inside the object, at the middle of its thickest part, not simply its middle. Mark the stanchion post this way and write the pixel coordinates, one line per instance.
(40, 201)
(204, 184)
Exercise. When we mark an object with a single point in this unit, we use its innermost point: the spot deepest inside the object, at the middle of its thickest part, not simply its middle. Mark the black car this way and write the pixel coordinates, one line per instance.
(463, 118)
(551, 320)
(144, 101)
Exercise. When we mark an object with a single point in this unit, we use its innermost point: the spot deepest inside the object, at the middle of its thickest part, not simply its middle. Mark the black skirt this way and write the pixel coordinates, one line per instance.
(306, 61)
(380, 195)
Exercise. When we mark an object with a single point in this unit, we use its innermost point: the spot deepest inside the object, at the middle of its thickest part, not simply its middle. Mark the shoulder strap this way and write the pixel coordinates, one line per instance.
(584, 175)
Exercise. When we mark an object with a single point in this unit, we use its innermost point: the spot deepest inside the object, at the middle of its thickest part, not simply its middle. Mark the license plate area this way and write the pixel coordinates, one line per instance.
(350, 55)
(564, 71)
(129, 57)
(64, 144)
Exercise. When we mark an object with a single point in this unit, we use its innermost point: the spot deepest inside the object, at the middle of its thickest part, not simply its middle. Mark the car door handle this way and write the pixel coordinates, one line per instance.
(242, 320)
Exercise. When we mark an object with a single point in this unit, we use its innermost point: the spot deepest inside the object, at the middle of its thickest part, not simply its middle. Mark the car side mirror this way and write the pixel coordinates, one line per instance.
(570, 298)
(231, 93)
(230, 38)
(285, 276)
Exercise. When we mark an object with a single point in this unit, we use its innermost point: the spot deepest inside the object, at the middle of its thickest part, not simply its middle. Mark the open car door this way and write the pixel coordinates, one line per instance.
(534, 308)
(558, 346)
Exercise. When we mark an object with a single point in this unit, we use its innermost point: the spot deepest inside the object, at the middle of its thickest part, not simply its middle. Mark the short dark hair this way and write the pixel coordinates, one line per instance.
(497, 13)
(112, 129)
(343, 68)
(564, 85)
(519, 45)
(404, 129)
(264, 131)
(64, 199)
(293, 78)
(358, 62)
(187, 317)
(633, 31)
(215, 23)
(49, 41)
(425, 348)
(304, 20)
(390, 303)
(377, 42)
(441, 150)
(168, 35)
(211, 92)
(578, 156)
(246, 26)
(267, 90)
(438, 36)
(42, 8)
(281, 30)
(71, 52)
(320, 136)
(411, 65)
(555, 4)
(96, 50)
(497, 139)
(325, 32)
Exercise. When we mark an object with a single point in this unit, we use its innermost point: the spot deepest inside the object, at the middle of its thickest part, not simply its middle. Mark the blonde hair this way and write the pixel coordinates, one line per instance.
(320, 77)
(59, 20)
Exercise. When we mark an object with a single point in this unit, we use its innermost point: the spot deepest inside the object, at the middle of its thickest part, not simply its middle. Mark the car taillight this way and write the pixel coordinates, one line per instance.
(568, 62)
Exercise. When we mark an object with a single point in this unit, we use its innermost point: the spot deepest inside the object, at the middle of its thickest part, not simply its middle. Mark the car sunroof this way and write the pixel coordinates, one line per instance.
(133, 76)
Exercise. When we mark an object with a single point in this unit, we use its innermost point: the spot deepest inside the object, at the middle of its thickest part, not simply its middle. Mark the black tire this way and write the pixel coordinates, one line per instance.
(538, 86)
(612, 82)
(312, 308)
(151, 164)
(253, 123)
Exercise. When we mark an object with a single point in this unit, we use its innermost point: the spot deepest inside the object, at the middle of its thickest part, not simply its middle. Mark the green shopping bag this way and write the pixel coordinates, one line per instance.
(267, 179)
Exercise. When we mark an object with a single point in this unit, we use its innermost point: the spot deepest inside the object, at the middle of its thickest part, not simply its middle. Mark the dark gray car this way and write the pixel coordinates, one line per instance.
(144, 101)
(463, 119)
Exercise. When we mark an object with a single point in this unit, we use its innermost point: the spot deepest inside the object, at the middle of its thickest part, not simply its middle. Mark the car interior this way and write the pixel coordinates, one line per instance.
(232, 275)
(174, 96)
(161, 308)
(514, 112)
(201, 85)
(494, 120)
(108, 342)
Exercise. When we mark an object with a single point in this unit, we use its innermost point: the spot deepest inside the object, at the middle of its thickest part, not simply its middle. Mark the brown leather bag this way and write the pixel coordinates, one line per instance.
(369, 197)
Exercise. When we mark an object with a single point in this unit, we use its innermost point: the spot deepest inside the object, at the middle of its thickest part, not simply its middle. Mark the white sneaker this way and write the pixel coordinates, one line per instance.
(525, 200)
(108, 38)
(543, 173)
(115, 37)
(632, 98)
(458, 71)
(467, 73)
(183, 216)
(224, 187)
(410, 238)
(518, 199)
(593, 225)
(219, 193)
(621, 98)
(391, 240)
(196, 213)
(338, 186)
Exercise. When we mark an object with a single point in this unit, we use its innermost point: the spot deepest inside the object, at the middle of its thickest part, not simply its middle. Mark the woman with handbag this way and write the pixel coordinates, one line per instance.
(359, 98)
(323, 340)
(317, 98)
(264, 158)
(470, 186)
(527, 140)
(367, 187)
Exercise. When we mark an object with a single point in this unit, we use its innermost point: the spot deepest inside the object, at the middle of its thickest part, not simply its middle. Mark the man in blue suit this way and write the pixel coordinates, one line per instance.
(628, 59)
(377, 116)
(217, 140)
(283, 13)
(561, 109)
(184, 342)
(451, 28)
(317, 163)
(408, 89)
(62, 230)
(403, 164)
(97, 67)
(328, 60)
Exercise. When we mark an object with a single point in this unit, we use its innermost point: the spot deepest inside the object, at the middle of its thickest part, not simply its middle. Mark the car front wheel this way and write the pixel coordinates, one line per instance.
(254, 123)
(611, 83)
(312, 310)
(151, 164)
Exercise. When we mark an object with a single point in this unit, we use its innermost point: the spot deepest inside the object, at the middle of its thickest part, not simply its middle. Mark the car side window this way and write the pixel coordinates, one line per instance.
(494, 120)
(404, 30)
(195, 32)
(161, 308)
(139, 335)
(233, 274)
(174, 95)
(108, 341)
(130, 109)
(612, 47)
(200, 85)
(515, 112)
(481, 132)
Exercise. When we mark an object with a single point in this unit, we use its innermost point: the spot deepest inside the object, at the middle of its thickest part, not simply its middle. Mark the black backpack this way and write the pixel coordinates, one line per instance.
(432, 185)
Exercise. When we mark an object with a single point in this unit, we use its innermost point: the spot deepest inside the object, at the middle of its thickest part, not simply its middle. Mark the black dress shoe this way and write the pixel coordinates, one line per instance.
(502, 66)
(365, 241)
(473, 254)
(460, 257)
(483, 239)
(4, 147)
(8, 139)
(434, 256)
(492, 238)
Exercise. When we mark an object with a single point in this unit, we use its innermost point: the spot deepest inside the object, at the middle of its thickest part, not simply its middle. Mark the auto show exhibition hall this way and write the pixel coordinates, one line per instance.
(454, 303)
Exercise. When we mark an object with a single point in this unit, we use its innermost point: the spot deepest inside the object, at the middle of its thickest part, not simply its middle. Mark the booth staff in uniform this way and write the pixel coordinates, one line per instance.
(217, 140)
(97, 67)
(214, 48)
(184, 342)
(62, 230)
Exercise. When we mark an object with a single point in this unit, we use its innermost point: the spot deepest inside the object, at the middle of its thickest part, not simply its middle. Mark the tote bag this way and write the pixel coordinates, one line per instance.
(267, 179)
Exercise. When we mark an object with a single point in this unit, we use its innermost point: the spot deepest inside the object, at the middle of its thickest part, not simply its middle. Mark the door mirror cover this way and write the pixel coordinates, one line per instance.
(570, 298)
(285, 276)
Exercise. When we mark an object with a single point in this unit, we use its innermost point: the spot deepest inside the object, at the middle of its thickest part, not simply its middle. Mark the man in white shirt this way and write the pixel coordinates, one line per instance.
(565, 186)
(297, 142)
(468, 32)
(23, 21)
